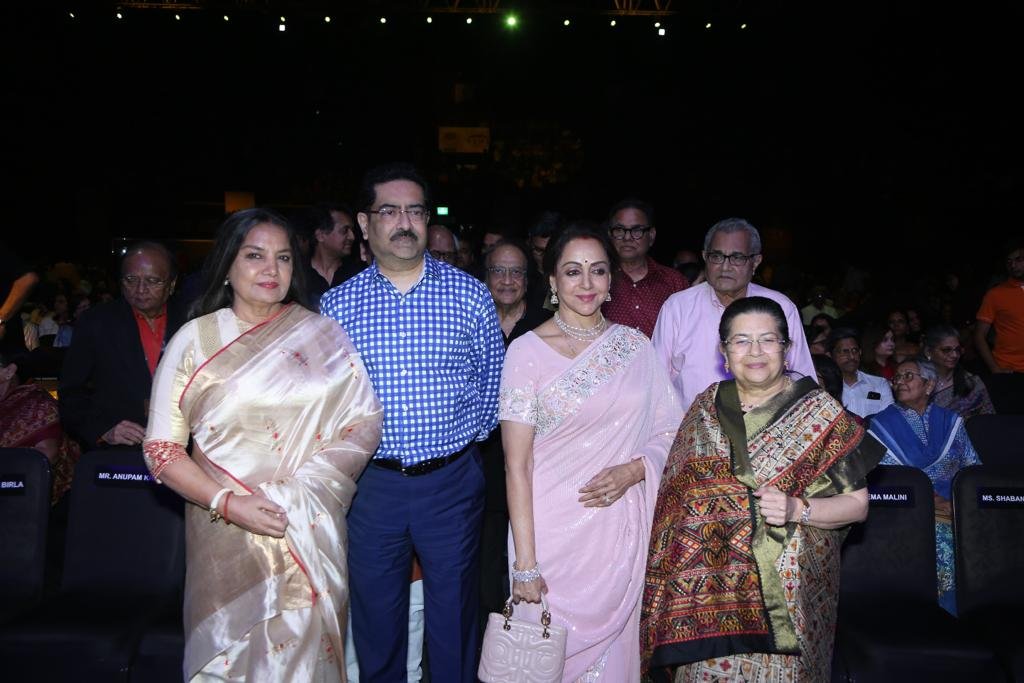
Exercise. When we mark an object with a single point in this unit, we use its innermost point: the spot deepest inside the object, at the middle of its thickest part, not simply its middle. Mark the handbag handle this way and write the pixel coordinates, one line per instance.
(545, 615)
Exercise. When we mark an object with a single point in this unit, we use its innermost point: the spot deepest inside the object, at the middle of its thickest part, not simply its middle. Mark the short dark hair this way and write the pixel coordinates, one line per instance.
(838, 334)
(309, 220)
(386, 173)
(631, 203)
(581, 229)
(546, 224)
(228, 243)
(831, 375)
(149, 245)
(753, 304)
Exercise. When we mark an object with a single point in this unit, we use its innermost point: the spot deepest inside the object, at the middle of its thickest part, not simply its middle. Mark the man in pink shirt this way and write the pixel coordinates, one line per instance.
(686, 334)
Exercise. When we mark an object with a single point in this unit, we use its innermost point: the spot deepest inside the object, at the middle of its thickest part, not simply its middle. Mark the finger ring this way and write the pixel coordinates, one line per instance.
(607, 499)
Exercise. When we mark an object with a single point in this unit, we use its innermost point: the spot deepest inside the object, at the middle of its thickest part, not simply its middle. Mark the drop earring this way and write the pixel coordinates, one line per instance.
(554, 297)
(608, 296)
(226, 282)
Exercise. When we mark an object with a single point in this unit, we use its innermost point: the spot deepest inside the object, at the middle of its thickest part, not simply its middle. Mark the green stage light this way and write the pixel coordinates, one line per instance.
(511, 21)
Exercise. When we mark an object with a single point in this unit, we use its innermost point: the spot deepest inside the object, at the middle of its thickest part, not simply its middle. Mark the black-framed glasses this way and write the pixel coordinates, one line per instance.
(844, 353)
(906, 376)
(390, 214)
(501, 272)
(149, 281)
(620, 232)
(735, 258)
(767, 344)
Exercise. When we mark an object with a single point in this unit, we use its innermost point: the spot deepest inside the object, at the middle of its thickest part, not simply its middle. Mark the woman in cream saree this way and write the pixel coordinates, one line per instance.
(282, 415)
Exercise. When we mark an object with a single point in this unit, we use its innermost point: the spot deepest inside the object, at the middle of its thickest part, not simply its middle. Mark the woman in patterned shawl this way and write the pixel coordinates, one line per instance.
(956, 389)
(283, 420)
(587, 417)
(764, 477)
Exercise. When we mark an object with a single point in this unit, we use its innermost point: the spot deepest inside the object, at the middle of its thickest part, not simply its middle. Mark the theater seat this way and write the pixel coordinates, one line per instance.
(988, 528)
(998, 439)
(891, 627)
(25, 483)
(123, 572)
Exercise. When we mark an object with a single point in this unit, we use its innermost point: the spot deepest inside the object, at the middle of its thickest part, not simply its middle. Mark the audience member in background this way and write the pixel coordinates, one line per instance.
(934, 440)
(686, 333)
(915, 325)
(688, 264)
(442, 245)
(955, 388)
(543, 228)
(282, 418)
(818, 304)
(465, 257)
(587, 415)
(108, 369)
(824, 321)
(764, 478)
(55, 328)
(640, 285)
(906, 344)
(330, 229)
(830, 377)
(863, 394)
(506, 268)
(16, 282)
(1002, 310)
(817, 339)
(29, 419)
(877, 352)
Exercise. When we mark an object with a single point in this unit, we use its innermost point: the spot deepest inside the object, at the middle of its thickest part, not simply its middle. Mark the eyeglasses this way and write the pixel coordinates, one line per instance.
(390, 214)
(501, 271)
(950, 350)
(737, 259)
(844, 353)
(149, 282)
(906, 376)
(635, 232)
(742, 344)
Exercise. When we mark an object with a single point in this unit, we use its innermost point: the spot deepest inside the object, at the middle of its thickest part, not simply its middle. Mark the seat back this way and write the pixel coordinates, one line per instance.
(988, 530)
(998, 439)
(126, 533)
(25, 483)
(891, 556)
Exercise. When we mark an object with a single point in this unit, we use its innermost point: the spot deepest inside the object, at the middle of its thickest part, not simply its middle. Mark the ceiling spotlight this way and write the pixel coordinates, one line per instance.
(611, 23)
(119, 15)
(177, 17)
(71, 14)
(430, 20)
(327, 20)
(661, 31)
(511, 21)
(227, 18)
(469, 20)
(281, 28)
(565, 23)
(383, 20)
(657, 24)
(707, 25)
(742, 26)
(282, 20)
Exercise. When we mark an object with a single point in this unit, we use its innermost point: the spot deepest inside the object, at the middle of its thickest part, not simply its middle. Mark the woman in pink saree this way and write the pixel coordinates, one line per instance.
(283, 419)
(588, 416)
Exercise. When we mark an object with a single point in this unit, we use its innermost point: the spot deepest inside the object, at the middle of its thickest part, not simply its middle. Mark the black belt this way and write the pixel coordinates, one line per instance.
(419, 468)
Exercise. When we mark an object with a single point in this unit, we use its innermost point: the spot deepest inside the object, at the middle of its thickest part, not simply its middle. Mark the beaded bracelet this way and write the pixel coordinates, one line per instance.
(526, 575)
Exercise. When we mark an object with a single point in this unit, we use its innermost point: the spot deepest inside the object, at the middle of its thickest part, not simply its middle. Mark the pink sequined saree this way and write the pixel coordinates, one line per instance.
(285, 407)
(610, 405)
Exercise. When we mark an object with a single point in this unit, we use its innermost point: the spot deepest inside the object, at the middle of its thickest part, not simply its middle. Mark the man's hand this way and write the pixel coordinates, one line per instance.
(124, 433)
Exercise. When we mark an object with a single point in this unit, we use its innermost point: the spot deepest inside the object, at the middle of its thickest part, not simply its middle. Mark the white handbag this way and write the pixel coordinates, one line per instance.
(518, 651)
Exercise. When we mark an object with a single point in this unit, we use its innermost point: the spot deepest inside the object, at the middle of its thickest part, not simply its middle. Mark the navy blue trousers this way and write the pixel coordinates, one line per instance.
(439, 515)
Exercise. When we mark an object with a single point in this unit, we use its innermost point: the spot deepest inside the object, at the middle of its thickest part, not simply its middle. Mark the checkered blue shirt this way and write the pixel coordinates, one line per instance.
(434, 356)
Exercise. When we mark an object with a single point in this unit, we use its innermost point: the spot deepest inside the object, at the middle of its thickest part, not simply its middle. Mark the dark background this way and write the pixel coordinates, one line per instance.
(883, 134)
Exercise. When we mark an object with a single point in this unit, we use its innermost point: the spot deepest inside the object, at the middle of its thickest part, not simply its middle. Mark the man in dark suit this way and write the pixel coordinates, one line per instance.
(108, 369)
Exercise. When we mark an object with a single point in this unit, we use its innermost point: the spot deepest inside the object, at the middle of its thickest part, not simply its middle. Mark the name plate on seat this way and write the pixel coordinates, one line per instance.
(891, 496)
(12, 485)
(1000, 497)
(123, 476)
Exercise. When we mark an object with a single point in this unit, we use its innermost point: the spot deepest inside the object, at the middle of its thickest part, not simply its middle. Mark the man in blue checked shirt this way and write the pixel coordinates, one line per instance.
(429, 336)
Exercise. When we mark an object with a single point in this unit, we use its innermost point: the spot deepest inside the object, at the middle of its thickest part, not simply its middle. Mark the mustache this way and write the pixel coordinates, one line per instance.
(403, 233)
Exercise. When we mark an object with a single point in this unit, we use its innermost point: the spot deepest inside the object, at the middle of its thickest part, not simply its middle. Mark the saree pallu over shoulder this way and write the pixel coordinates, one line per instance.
(713, 586)
(286, 410)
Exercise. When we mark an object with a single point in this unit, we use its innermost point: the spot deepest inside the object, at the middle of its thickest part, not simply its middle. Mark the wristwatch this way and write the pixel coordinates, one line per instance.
(805, 516)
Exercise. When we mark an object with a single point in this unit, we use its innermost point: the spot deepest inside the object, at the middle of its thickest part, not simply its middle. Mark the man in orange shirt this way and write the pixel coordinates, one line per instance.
(1002, 309)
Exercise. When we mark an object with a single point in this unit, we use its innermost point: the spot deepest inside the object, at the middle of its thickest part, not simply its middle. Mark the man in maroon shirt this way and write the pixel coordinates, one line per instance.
(641, 284)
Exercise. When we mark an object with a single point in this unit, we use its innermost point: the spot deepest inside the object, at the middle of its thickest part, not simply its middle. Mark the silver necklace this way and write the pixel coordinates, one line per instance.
(581, 333)
(747, 407)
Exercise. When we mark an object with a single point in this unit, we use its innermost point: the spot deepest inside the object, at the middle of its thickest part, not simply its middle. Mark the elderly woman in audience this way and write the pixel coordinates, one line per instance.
(29, 419)
(955, 388)
(877, 352)
(282, 420)
(764, 478)
(587, 415)
(931, 438)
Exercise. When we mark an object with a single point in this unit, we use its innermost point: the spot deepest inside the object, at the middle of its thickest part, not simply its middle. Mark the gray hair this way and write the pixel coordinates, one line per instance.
(925, 367)
(730, 225)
